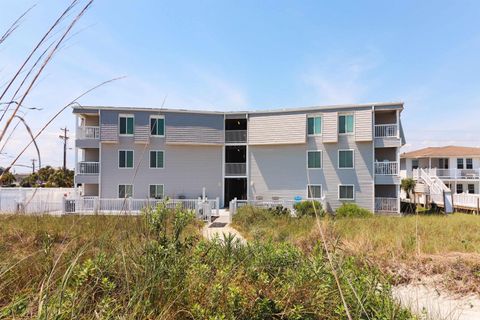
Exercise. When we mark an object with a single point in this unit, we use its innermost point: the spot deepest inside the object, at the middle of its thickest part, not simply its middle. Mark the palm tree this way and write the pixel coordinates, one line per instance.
(408, 185)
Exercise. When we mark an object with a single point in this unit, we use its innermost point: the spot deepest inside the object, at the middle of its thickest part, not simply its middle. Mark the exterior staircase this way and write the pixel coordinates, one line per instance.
(432, 185)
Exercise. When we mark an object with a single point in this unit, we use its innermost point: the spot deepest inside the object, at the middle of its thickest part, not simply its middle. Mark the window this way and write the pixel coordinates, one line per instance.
(125, 158)
(156, 191)
(459, 188)
(345, 123)
(346, 192)
(471, 188)
(459, 163)
(415, 164)
(314, 125)
(157, 126)
(443, 163)
(126, 124)
(314, 159)
(125, 191)
(469, 162)
(345, 159)
(314, 191)
(156, 159)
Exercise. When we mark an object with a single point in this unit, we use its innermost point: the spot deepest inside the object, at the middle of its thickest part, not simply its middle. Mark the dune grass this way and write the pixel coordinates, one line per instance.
(404, 248)
(156, 266)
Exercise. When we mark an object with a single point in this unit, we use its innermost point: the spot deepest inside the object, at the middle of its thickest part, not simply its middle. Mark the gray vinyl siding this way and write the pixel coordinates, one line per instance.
(194, 128)
(108, 126)
(142, 127)
(280, 171)
(187, 169)
(277, 129)
(363, 125)
(330, 127)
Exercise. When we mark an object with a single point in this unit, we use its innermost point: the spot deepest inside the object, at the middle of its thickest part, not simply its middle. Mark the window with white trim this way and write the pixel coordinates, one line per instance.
(459, 163)
(314, 159)
(345, 123)
(156, 159)
(469, 163)
(346, 192)
(314, 125)
(157, 126)
(345, 159)
(156, 191)
(314, 191)
(471, 188)
(459, 188)
(126, 124)
(125, 191)
(125, 158)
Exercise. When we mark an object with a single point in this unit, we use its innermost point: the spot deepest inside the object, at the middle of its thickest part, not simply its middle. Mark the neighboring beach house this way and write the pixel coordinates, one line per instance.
(344, 153)
(458, 167)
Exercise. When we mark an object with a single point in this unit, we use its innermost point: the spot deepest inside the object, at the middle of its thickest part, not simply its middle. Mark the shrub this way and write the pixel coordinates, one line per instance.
(351, 210)
(279, 211)
(306, 209)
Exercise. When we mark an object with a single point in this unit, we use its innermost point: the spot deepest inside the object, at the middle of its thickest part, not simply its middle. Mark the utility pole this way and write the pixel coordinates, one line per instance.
(33, 165)
(64, 137)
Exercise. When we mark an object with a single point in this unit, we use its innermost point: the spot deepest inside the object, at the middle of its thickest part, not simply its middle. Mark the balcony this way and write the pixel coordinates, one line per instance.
(388, 168)
(88, 132)
(386, 131)
(88, 168)
(235, 169)
(452, 174)
(386, 205)
(235, 136)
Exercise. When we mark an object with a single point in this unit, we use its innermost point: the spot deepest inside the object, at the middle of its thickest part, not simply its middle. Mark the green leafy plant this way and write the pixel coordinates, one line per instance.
(307, 208)
(352, 210)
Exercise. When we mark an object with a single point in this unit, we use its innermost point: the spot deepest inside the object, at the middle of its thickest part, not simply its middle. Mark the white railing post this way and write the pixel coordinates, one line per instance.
(217, 204)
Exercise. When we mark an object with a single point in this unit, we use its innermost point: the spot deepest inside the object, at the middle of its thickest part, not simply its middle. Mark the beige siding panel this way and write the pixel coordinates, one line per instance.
(142, 134)
(109, 133)
(363, 125)
(330, 127)
(277, 129)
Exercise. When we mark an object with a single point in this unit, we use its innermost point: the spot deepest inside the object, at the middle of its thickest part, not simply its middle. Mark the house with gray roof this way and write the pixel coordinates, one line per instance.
(338, 153)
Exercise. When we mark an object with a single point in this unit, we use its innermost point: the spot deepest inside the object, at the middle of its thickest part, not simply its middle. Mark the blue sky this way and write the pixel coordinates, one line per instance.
(260, 55)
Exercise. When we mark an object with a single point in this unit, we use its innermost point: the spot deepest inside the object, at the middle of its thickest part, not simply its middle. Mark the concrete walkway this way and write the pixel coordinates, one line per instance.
(220, 227)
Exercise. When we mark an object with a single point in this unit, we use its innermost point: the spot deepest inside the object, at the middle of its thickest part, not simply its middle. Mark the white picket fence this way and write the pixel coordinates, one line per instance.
(60, 201)
(34, 200)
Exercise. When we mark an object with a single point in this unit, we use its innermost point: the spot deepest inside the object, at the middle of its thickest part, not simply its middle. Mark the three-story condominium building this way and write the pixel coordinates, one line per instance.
(344, 153)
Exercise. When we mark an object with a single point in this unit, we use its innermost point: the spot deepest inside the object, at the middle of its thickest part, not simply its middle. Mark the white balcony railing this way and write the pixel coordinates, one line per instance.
(450, 174)
(87, 167)
(88, 132)
(386, 204)
(235, 136)
(386, 130)
(388, 168)
(235, 169)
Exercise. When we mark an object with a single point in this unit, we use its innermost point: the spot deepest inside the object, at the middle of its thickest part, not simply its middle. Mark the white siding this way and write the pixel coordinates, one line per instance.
(277, 129)
(330, 127)
(363, 125)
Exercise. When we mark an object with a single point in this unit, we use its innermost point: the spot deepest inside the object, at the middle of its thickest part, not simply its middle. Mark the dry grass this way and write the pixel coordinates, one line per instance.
(446, 247)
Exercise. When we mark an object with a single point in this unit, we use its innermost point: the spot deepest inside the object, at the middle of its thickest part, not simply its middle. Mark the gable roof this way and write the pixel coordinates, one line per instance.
(447, 151)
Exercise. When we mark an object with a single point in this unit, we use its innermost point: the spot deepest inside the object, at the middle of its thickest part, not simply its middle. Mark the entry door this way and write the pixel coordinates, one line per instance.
(235, 188)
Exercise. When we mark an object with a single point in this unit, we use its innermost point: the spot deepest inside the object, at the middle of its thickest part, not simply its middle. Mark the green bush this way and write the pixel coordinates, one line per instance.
(279, 211)
(351, 210)
(306, 209)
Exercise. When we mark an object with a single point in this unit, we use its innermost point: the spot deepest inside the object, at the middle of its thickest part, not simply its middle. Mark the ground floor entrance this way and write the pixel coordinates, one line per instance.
(235, 188)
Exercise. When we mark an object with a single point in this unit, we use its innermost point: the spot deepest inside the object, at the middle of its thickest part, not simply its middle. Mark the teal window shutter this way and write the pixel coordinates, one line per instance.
(349, 123)
(159, 159)
(130, 125)
(310, 126)
(318, 125)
